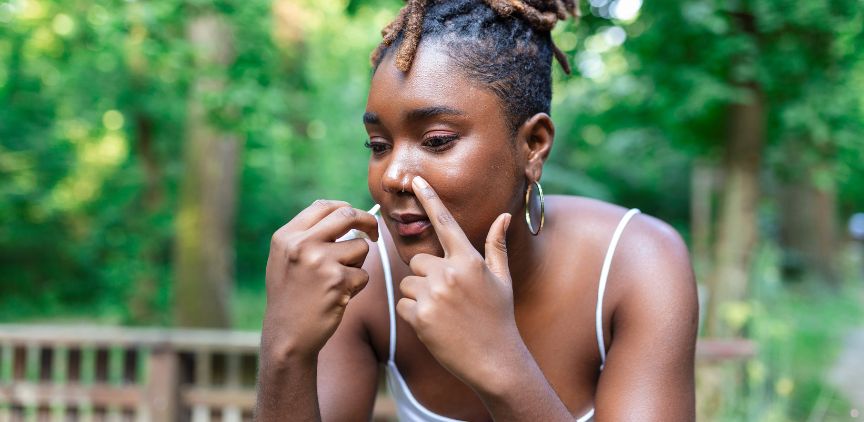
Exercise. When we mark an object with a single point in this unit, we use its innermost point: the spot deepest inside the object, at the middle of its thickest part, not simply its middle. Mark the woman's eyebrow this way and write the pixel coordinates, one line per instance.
(433, 111)
(371, 118)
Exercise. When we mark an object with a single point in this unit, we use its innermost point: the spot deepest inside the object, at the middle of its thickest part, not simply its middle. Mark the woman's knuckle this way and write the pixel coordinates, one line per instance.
(321, 203)
(360, 284)
(415, 260)
(364, 278)
(439, 291)
(276, 239)
(401, 305)
(293, 252)
(424, 315)
(445, 218)
(501, 244)
(292, 244)
(476, 263)
(347, 212)
(451, 276)
(313, 258)
(333, 274)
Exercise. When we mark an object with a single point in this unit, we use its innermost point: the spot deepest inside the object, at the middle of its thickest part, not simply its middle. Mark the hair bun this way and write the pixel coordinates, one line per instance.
(562, 8)
(542, 15)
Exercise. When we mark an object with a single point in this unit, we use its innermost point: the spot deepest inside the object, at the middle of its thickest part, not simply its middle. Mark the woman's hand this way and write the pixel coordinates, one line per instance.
(311, 277)
(461, 305)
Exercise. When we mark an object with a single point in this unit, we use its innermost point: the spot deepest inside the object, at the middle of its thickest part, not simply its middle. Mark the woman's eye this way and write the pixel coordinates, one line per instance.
(376, 147)
(440, 143)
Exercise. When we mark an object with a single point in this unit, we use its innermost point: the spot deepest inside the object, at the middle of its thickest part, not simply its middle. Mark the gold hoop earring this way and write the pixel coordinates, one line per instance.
(535, 213)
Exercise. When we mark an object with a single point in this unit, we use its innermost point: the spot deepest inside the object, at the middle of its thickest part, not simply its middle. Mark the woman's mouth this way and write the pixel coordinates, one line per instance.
(411, 224)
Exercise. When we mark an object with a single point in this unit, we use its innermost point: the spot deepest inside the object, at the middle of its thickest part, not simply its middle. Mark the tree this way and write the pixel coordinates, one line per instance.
(205, 220)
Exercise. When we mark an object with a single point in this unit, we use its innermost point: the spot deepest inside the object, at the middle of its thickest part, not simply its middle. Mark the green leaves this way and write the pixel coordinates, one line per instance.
(87, 202)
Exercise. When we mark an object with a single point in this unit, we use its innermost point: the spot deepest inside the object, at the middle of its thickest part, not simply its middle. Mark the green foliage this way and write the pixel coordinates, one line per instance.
(93, 101)
(799, 331)
(92, 123)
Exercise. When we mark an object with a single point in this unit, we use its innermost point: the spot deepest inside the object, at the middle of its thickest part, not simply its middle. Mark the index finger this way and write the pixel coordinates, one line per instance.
(338, 222)
(449, 233)
(314, 213)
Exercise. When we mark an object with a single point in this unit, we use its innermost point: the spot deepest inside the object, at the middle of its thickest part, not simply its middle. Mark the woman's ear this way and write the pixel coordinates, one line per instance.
(535, 138)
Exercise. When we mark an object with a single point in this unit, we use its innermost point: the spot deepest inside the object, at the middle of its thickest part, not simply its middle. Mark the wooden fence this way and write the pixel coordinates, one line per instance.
(79, 373)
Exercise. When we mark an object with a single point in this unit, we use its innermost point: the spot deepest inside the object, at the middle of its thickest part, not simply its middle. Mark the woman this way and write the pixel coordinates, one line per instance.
(482, 299)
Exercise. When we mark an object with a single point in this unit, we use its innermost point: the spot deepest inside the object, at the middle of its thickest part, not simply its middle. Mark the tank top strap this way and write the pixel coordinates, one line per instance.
(604, 275)
(388, 282)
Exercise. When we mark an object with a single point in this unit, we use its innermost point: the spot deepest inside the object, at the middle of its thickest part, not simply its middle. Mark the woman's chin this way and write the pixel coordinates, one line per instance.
(408, 247)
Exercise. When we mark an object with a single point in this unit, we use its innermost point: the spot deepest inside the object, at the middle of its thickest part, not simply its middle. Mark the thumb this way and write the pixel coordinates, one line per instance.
(496, 247)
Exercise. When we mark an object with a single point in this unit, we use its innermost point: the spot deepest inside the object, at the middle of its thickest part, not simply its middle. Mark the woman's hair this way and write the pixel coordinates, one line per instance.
(505, 45)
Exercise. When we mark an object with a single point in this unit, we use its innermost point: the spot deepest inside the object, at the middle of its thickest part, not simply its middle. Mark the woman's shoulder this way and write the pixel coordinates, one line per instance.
(647, 247)
(650, 281)
(589, 217)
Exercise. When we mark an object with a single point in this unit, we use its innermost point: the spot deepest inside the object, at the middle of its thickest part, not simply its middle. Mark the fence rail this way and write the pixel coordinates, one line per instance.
(86, 373)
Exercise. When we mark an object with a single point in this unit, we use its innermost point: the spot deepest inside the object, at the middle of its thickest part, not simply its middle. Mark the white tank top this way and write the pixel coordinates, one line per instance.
(408, 409)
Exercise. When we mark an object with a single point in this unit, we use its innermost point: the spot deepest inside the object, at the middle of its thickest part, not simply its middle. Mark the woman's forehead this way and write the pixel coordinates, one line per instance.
(432, 81)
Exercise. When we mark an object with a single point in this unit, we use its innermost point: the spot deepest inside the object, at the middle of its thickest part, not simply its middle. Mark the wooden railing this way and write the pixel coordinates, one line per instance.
(80, 373)
(102, 373)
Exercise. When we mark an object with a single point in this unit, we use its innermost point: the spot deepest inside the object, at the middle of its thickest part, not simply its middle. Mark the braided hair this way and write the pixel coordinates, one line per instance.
(505, 45)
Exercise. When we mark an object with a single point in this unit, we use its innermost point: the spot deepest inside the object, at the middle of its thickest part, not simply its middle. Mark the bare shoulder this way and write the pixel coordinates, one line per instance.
(654, 264)
(655, 304)
(650, 265)
(650, 312)
(645, 241)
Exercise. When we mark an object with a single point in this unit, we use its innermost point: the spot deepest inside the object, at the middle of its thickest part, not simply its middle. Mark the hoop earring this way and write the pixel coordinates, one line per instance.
(535, 213)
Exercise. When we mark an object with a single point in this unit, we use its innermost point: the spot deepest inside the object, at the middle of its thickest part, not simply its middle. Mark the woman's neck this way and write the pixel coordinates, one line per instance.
(525, 255)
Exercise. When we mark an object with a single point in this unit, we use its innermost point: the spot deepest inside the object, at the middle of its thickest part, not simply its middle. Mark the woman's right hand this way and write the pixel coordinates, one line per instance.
(311, 277)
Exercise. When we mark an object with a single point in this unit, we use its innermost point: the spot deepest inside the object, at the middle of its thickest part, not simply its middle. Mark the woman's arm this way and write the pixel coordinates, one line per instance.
(347, 365)
(342, 382)
(649, 372)
(310, 281)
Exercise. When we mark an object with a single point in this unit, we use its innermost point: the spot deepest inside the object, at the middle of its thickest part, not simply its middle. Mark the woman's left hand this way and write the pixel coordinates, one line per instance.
(461, 305)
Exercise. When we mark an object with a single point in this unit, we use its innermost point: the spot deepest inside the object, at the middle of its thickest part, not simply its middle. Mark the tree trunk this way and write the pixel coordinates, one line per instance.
(808, 223)
(738, 231)
(702, 187)
(735, 245)
(205, 254)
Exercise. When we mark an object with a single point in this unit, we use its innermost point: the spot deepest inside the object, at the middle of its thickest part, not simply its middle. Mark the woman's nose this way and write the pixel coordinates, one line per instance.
(397, 175)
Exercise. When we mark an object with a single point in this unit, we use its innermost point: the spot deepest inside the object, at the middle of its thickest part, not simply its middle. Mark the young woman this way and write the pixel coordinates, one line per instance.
(482, 299)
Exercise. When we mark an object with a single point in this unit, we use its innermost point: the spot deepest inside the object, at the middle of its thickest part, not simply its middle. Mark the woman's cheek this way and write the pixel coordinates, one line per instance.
(373, 181)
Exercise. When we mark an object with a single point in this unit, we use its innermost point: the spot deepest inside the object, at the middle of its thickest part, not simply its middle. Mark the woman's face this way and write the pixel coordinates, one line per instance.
(434, 123)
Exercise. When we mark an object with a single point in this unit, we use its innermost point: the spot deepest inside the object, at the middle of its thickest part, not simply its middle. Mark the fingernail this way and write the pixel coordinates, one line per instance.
(507, 224)
(420, 182)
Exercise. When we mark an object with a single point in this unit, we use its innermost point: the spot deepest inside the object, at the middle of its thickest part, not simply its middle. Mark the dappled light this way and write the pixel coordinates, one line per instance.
(150, 149)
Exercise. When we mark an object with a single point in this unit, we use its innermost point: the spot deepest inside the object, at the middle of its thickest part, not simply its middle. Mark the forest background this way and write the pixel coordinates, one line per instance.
(148, 150)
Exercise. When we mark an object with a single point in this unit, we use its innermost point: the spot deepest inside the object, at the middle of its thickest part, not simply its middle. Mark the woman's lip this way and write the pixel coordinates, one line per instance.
(413, 228)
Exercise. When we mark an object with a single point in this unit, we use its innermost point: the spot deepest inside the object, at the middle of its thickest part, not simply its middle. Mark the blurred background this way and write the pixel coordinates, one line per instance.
(148, 150)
